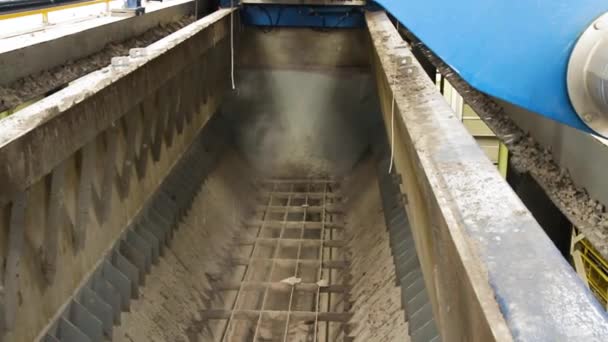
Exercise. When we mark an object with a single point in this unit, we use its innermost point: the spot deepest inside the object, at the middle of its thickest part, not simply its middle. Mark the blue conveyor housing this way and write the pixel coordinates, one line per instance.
(515, 50)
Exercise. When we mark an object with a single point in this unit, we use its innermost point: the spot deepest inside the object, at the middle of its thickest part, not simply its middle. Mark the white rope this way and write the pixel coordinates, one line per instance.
(232, 44)
(390, 167)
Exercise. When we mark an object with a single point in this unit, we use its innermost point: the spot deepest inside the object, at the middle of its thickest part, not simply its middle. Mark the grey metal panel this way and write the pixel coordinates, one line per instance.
(98, 307)
(50, 338)
(414, 288)
(400, 235)
(85, 321)
(135, 257)
(68, 332)
(408, 265)
(405, 256)
(420, 317)
(142, 246)
(157, 231)
(403, 245)
(120, 282)
(428, 332)
(106, 291)
(152, 240)
(418, 301)
(129, 270)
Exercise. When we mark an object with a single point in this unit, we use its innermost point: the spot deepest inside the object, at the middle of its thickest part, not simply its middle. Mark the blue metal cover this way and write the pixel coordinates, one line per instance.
(515, 50)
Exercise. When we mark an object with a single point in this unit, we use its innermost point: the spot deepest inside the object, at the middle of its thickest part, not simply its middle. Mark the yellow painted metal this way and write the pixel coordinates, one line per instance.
(595, 268)
(19, 107)
(503, 159)
(45, 11)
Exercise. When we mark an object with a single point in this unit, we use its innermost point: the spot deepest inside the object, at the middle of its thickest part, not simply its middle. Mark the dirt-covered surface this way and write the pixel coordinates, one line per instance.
(180, 285)
(184, 284)
(37, 85)
(376, 299)
(586, 213)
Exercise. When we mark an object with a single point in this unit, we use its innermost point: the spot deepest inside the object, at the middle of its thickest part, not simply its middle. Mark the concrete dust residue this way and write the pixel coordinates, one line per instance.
(37, 85)
(378, 315)
(299, 123)
(179, 287)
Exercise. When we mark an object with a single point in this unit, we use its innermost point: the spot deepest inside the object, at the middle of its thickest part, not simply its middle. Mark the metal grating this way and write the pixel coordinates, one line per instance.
(294, 283)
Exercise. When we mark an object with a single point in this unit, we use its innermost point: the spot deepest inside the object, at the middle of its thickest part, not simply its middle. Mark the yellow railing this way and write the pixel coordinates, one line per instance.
(596, 270)
(45, 11)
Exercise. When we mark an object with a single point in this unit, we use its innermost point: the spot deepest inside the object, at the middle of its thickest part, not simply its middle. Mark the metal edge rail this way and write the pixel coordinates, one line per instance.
(37, 138)
(491, 271)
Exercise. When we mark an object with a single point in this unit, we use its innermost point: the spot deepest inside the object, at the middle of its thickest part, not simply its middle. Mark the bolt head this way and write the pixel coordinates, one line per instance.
(588, 117)
(601, 24)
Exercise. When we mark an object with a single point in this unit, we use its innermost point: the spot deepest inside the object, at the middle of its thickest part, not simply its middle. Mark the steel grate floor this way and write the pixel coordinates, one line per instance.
(290, 268)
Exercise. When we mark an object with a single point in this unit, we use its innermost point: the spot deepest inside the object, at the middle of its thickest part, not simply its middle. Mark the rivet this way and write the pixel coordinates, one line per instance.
(601, 24)
(588, 117)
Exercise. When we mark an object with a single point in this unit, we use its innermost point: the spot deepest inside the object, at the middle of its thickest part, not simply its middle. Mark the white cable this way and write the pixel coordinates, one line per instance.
(390, 167)
(232, 43)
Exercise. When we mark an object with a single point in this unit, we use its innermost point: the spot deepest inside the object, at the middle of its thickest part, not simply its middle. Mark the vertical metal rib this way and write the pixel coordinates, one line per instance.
(54, 222)
(103, 201)
(87, 171)
(13, 261)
